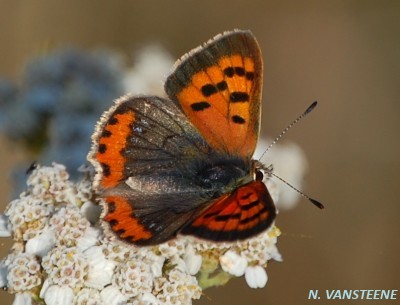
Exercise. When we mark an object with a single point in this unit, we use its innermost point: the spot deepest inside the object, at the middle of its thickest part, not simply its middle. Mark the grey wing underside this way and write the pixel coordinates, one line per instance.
(162, 155)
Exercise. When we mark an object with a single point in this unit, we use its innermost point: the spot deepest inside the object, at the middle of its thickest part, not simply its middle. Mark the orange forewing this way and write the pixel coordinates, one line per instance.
(226, 125)
(223, 99)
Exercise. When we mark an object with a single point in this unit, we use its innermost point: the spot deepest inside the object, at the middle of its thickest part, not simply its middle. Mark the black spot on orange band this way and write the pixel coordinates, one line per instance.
(129, 239)
(199, 106)
(238, 119)
(227, 217)
(255, 216)
(111, 207)
(249, 75)
(120, 231)
(237, 96)
(106, 134)
(250, 205)
(239, 71)
(222, 86)
(208, 90)
(113, 121)
(113, 222)
(230, 71)
(106, 169)
(102, 148)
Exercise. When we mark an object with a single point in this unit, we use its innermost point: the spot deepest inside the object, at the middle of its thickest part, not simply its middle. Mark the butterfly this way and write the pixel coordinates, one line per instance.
(183, 164)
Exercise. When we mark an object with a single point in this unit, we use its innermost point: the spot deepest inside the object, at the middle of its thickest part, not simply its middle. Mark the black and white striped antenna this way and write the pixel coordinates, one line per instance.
(300, 117)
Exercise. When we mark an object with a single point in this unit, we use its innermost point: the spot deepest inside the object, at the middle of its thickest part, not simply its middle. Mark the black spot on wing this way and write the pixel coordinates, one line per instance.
(249, 75)
(255, 216)
(238, 119)
(199, 106)
(112, 121)
(229, 72)
(222, 86)
(239, 71)
(102, 148)
(227, 217)
(113, 222)
(111, 207)
(237, 97)
(106, 169)
(106, 134)
(208, 90)
(250, 205)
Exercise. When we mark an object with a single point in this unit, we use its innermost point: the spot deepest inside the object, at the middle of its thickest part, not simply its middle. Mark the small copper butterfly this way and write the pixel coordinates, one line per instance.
(183, 165)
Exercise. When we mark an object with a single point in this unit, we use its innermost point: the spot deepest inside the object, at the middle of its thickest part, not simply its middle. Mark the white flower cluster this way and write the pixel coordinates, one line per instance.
(62, 256)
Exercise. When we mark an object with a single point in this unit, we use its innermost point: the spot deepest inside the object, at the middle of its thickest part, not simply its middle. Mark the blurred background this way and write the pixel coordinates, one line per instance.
(345, 54)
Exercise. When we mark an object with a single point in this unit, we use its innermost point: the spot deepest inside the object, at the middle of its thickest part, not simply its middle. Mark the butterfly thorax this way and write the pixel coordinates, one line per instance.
(223, 174)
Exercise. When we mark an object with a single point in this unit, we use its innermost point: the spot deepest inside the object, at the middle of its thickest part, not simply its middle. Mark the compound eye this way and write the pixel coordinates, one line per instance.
(259, 175)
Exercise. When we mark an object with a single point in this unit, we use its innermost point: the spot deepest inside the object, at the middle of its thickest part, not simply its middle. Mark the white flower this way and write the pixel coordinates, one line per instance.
(58, 295)
(156, 263)
(41, 244)
(101, 269)
(28, 216)
(65, 267)
(90, 237)
(256, 277)
(192, 260)
(23, 298)
(233, 263)
(51, 182)
(88, 296)
(112, 296)
(148, 299)
(55, 244)
(173, 247)
(262, 248)
(23, 273)
(133, 277)
(69, 225)
(116, 251)
(151, 65)
(44, 288)
(177, 288)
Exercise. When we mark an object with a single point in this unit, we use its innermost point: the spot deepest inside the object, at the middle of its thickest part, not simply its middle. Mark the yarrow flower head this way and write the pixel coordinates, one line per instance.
(59, 254)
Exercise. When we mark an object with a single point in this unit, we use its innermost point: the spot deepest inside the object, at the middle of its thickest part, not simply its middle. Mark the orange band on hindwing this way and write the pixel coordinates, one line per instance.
(247, 211)
(120, 216)
(112, 141)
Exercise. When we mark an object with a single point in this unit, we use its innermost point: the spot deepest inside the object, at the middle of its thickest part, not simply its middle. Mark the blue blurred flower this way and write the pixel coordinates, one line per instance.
(54, 110)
